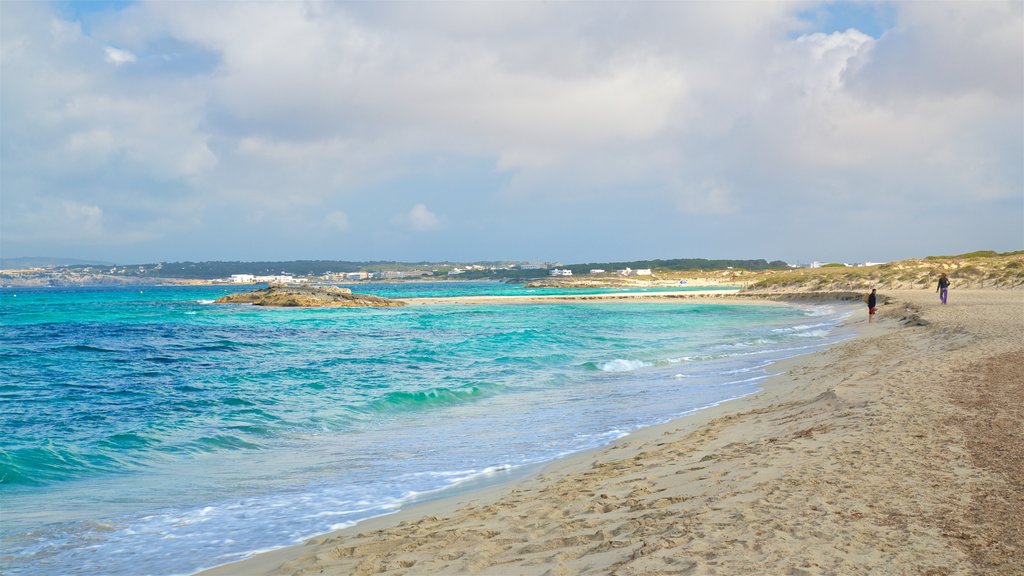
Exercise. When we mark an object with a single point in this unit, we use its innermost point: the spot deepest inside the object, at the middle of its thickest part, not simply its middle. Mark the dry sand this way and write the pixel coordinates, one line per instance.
(900, 452)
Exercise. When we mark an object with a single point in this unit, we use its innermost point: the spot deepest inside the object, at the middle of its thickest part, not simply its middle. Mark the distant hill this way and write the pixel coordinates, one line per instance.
(220, 269)
(981, 269)
(47, 262)
(681, 264)
(209, 270)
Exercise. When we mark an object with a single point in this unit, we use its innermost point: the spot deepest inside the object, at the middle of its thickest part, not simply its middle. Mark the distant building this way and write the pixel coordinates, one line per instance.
(560, 272)
(532, 267)
(356, 276)
(279, 279)
(597, 271)
(631, 272)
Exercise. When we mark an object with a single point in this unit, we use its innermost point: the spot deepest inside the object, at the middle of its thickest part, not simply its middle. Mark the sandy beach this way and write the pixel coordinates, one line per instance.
(898, 452)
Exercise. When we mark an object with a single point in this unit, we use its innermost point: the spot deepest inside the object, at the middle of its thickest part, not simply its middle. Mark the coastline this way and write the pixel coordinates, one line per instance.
(857, 458)
(731, 296)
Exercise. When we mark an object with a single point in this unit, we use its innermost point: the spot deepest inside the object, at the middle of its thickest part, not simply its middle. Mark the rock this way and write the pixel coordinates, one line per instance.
(307, 296)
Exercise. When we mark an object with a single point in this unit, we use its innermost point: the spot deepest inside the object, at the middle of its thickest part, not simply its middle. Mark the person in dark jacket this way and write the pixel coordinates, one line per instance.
(872, 301)
(943, 288)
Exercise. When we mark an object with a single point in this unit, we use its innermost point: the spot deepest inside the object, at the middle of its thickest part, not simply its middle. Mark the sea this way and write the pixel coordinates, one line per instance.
(147, 430)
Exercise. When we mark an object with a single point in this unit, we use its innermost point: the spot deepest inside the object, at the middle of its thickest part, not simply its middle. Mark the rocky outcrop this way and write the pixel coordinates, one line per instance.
(306, 297)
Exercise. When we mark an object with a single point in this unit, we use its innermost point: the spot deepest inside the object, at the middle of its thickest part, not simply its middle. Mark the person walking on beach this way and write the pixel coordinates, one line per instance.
(943, 288)
(872, 300)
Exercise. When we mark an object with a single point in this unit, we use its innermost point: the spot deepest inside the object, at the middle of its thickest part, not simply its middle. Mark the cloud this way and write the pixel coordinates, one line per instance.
(705, 198)
(118, 57)
(64, 221)
(498, 113)
(83, 220)
(336, 221)
(418, 218)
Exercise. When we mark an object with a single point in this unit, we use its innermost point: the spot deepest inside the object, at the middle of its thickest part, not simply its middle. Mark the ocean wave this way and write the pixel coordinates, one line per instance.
(88, 348)
(812, 334)
(41, 465)
(220, 442)
(820, 310)
(747, 369)
(621, 365)
(801, 328)
(422, 399)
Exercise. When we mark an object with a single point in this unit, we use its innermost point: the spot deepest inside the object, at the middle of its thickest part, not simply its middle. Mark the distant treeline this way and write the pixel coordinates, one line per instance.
(976, 254)
(300, 268)
(680, 264)
(218, 269)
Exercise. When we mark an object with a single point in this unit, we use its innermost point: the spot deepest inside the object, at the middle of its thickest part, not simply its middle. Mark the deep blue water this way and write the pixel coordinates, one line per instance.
(149, 431)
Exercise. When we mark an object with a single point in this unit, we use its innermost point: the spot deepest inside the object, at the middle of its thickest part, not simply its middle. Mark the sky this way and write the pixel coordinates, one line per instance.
(139, 132)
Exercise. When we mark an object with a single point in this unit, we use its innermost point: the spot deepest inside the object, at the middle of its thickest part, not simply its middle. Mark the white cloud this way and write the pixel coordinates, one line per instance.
(418, 218)
(705, 198)
(118, 57)
(692, 108)
(336, 221)
(81, 220)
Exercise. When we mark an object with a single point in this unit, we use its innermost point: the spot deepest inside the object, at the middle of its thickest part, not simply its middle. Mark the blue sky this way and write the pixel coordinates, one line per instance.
(162, 131)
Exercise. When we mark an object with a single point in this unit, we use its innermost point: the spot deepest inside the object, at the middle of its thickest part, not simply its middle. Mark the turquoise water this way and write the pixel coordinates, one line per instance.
(149, 431)
(445, 289)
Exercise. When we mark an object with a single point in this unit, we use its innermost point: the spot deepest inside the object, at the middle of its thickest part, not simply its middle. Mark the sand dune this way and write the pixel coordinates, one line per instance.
(900, 452)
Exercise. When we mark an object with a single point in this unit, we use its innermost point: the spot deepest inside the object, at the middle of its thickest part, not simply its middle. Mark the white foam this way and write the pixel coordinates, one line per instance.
(802, 327)
(621, 365)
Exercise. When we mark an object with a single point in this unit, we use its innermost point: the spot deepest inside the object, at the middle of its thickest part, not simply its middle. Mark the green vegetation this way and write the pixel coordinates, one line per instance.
(979, 269)
(976, 254)
(503, 271)
(221, 269)
(982, 269)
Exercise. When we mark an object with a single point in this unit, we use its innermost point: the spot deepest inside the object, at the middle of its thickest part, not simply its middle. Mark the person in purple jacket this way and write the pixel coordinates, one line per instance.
(943, 288)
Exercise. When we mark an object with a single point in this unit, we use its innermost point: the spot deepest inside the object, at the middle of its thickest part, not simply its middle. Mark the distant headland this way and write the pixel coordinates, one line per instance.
(981, 269)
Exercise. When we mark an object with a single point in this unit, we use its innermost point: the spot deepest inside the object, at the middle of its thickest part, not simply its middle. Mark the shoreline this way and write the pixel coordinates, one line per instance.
(568, 298)
(849, 461)
(492, 490)
(721, 296)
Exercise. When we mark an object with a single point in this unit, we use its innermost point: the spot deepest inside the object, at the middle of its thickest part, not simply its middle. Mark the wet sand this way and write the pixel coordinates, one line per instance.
(899, 452)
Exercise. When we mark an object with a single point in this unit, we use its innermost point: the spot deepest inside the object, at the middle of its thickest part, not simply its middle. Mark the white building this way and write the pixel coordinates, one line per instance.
(242, 278)
(631, 272)
(281, 279)
(560, 272)
(597, 271)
